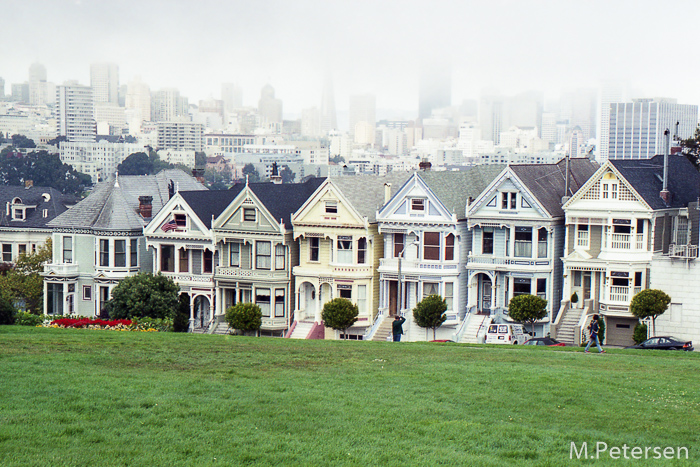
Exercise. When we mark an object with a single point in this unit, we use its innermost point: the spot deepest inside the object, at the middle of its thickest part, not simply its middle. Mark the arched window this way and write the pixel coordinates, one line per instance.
(449, 247)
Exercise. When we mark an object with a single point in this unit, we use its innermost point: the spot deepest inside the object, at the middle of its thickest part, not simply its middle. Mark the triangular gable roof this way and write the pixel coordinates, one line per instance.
(596, 177)
(454, 188)
(547, 182)
(177, 202)
(646, 177)
(328, 187)
(366, 192)
(414, 186)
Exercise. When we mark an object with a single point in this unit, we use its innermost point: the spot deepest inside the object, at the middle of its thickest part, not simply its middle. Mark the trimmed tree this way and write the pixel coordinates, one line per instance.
(181, 321)
(7, 310)
(430, 312)
(144, 295)
(527, 309)
(650, 303)
(340, 314)
(245, 317)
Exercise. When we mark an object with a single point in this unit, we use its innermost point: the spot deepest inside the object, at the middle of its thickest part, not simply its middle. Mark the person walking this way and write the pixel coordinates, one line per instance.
(397, 327)
(594, 328)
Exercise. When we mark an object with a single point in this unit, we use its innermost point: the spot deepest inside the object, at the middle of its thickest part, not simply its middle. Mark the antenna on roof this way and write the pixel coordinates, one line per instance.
(246, 179)
(665, 194)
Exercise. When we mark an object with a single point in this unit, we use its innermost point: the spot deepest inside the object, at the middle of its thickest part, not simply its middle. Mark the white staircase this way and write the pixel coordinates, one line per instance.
(475, 325)
(302, 329)
(385, 329)
(566, 331)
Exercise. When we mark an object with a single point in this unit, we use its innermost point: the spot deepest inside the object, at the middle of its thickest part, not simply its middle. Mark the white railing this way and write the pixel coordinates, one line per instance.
(500, 261)
(620, 241)
(619, 293)
(640, 241)
(369, 334)
(582, 239)
(636, 291)
(61, 269)
(683, 251)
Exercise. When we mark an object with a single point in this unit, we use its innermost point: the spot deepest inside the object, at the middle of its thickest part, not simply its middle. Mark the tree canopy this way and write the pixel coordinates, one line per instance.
(252, 173)
(287, 174)
(244, 317)
(527, 309)
(430, 312)
(21, 141)
(144, 295)
(44, 169)
(339, 314)
(23, 283)
(650, 303)
(137, 163)
(691, 147)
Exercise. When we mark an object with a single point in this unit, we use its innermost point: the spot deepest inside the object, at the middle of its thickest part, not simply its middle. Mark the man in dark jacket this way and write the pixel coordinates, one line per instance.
(397, 327)
(594, 328)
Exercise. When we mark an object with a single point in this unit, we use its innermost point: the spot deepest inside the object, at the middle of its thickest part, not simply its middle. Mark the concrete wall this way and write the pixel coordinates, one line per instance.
(679, 279)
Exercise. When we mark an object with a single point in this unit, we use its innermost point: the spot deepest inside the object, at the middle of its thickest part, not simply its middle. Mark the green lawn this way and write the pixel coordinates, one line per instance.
(103, 398)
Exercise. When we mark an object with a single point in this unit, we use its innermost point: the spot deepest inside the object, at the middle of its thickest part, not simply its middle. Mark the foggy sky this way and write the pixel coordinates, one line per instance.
(370, 46)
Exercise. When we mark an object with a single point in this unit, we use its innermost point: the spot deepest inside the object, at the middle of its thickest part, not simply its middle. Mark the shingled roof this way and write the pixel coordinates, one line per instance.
(547, 182)
(454, 188)
(44, 198)
(366, 192)
(282, 200)
(113, 205)
(646, 177)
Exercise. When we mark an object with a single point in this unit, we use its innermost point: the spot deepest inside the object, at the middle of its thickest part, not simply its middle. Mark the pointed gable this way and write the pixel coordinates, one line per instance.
(606, 186)
(415, 201)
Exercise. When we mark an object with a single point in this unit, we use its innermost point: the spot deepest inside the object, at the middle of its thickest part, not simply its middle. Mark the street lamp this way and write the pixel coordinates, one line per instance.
(401, 294)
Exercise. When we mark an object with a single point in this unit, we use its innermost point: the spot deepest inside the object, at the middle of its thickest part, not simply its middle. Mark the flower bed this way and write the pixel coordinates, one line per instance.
(85, 322)
(141, 324)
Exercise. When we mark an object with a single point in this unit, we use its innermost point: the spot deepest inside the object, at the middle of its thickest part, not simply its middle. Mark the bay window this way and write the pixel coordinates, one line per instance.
(263, 254)
(431, 246)
(120, 253)
(344, 251)
(523, 242)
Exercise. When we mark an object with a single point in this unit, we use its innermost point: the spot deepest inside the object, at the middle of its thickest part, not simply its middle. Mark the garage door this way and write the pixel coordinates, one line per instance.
(619, 331)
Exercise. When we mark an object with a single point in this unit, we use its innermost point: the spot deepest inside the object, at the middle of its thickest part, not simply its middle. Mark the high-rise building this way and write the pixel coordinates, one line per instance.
(138, 101)
(636, 129)
(363, 118)
(525, 110)
(75, 112)
(310, 122)
(579, 107)
(232, 95)
(329, 119)
(20, 92)
(2, 88)
(270, 108)
(167, 105)
(37, 84)
(435, 90)
(548, 131)
(610, 92)
(183, 136)
(104, 79)
(491, 117)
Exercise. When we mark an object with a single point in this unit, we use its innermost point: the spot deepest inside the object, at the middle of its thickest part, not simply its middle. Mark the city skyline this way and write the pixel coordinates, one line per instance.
(369, 48)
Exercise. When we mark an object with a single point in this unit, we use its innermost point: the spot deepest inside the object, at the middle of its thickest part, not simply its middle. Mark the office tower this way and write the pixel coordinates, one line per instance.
(138, 100)
(2, 88)
(269, 108)
(435, 88)
(363, 119)
(636, 129)
(329, 120)
(232, 95)
(579, 107)
(610, 92)
(548, 130)
(310, 122)
(469, 110)
(577, 143)
(167, 105)
(104, 79)
(20, 92)
(37, 84)
(182, 136)
(75, 112)
(525, 110)
(491, 117)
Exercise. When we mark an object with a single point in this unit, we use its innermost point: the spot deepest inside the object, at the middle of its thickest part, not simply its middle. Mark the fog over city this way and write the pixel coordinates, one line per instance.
(369, 46)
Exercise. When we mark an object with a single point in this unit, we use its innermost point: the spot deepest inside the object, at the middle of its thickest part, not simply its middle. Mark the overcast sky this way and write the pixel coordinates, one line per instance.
(370, 46)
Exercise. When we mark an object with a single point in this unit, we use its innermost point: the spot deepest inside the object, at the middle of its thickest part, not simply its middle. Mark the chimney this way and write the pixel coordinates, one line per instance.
(425, 165)
(387, 192)
(566, 196)
(665, 194)
(28, 183)
(275, 177)
(146, 206)
(198, 174)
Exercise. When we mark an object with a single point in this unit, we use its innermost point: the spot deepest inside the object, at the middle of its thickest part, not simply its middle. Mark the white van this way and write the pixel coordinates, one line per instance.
(505, 334)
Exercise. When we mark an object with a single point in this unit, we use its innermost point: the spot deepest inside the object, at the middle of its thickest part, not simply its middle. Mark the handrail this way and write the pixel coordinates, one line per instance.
(457, 335)
(563, 308)
(291, 330)
(582, 321)
(369, 334)
(478, 331)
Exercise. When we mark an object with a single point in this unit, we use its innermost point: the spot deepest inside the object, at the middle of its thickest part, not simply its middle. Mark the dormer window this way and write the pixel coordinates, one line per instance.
(180, 220)
(418, 204)
(331, 207)
(249, 214)
(18, 214)
(508, 200)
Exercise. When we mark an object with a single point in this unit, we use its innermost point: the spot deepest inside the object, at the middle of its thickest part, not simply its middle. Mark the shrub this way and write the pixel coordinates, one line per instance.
(146, 323)
(181, 321)
(650, 303)
(25, 318)
(339, 314)
(430, 312)
(7, 310)
(574, 298)
(640, 333)
(144, 295)
(527, 309)
(244, 317)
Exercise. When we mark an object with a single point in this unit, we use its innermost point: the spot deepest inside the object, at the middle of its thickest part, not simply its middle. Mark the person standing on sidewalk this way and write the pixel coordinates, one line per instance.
(594, 328)
(397, 327)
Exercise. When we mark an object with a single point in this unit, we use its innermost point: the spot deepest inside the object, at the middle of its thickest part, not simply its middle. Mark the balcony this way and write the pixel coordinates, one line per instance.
(683, 251)
(182, 277)
(620, 241)
(252, 274)
(619, 293)
(62, 270)
(416, 265)
(504, 263)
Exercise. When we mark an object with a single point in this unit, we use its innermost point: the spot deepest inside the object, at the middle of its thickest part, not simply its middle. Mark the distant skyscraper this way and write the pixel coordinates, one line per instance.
(435, 88)
(525, 110)
(138, 101)
(75, 112)
(491, 117)
(310, 122)
(609, 93)
(104, 79)
(329, 120)
(270, 108)
(2, 88)
(167, 105)
(548, 132)
(20, 92)
(579, 107)
(37, 84)
(363, 118)
(232, 95)
(636, 129)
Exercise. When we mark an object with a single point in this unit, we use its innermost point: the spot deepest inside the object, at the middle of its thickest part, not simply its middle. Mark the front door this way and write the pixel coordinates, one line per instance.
(485, 306)
(586, 285)
(393, 297)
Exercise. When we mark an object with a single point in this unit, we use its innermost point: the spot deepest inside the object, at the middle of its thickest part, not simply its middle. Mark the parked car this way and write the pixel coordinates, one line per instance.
(544, 341)
(505, 334)
(664, 343)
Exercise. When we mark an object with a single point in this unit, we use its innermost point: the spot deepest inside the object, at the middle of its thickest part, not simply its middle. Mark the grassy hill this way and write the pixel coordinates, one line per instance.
(79, 397)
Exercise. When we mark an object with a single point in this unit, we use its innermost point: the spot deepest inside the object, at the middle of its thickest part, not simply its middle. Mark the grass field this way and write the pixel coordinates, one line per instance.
(79, 397)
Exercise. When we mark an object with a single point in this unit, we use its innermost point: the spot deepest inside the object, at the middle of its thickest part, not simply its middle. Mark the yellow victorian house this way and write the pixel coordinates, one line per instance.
(339, 252)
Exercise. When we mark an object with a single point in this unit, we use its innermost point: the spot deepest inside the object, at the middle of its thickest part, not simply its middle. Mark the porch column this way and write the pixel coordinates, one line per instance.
(493, 294)
(46, 297)
(64, 285)
(191, 313)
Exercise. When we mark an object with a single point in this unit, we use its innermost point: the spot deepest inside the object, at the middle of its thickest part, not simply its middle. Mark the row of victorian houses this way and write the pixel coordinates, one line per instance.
(476, 237)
